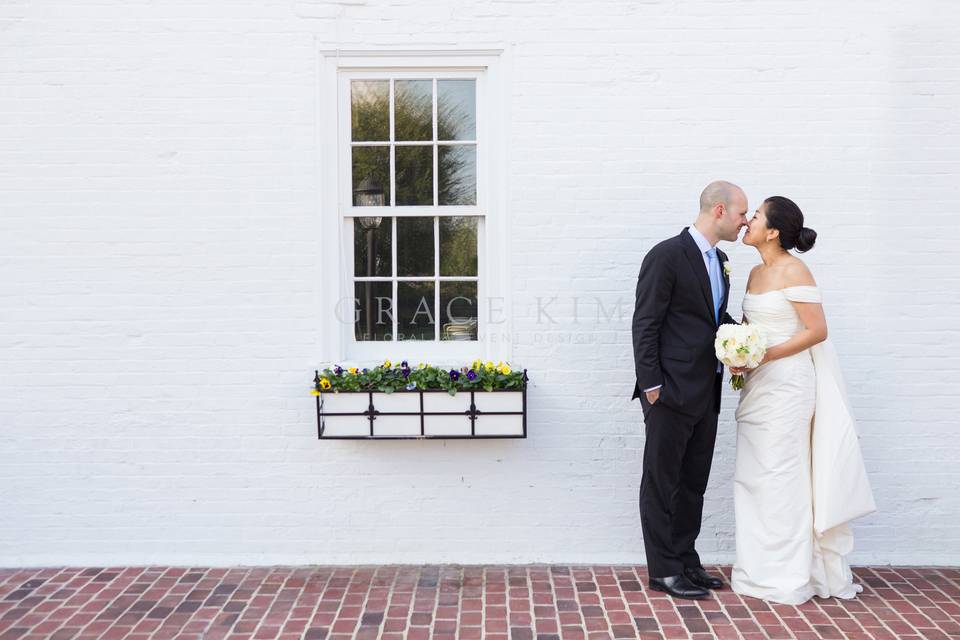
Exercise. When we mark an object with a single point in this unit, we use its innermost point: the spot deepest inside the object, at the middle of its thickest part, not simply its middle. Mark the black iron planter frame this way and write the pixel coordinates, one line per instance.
(473, 412)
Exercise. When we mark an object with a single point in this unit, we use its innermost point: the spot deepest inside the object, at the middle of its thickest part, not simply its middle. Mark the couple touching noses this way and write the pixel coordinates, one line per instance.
(786, 552)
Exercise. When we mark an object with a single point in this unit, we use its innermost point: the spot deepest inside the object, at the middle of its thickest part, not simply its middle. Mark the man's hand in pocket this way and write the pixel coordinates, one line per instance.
(653, 396)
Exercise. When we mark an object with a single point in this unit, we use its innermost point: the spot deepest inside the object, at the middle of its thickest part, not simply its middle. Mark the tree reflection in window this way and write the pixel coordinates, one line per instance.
(415, 160)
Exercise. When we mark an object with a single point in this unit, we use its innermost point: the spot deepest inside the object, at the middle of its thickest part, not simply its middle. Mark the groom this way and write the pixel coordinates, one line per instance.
(681, 300)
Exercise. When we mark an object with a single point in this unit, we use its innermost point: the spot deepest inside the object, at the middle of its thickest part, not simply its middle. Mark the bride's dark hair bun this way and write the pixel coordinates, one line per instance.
(785, 216)
(806, 239)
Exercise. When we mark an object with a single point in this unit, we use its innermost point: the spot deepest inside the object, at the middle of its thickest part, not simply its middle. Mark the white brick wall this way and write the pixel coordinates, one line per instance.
(159, 252)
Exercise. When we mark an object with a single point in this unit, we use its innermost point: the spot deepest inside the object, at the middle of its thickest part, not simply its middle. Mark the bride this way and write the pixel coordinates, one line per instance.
(799, 476)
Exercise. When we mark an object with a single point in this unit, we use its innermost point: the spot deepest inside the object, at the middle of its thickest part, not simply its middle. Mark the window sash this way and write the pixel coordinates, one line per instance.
(491, 68)
(346, 144)
(436, 278)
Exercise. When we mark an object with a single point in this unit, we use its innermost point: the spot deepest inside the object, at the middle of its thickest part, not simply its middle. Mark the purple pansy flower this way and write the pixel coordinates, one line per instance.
(337, 370)
(454, 375)
(471, 375)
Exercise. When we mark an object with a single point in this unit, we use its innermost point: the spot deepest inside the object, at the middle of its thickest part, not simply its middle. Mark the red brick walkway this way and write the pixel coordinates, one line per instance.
(497, 602)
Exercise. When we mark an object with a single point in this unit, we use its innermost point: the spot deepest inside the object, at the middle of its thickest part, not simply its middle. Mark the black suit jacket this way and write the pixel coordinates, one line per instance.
(674, 327)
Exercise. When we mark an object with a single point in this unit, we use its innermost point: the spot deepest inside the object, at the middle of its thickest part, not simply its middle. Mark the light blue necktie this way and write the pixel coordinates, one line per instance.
(715, 282)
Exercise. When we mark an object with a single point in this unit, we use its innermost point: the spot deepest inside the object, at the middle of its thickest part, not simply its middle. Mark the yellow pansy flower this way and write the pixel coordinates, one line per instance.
(324, 383)
(314, 392)
(353, 370)
(503, 368)
(489, 366)
(387, 364)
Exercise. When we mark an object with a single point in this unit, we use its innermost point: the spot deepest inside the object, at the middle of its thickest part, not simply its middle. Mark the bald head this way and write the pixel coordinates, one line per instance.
(723, 211)
(720, 192)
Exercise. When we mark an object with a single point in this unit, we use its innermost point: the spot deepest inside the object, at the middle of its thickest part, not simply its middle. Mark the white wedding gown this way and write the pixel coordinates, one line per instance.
(800, 477)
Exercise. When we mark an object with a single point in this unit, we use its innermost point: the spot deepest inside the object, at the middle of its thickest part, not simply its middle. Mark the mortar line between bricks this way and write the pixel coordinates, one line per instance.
(343, 597)
(460, 579)
(886, 605)
(48, 581)
(783, 623)
(114, 622)
(945, 595)
(436, 602)
(553, 593)
(91, 597)
(576, 595)
(103, 586)
(273, 601)
(208, 628)
(166, 594)
(918, 610)
(386, 606)
(413, 593)
(76, 591)
(636, 576)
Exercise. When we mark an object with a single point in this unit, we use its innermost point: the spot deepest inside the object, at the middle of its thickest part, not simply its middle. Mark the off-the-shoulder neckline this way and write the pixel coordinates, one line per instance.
(799, 286)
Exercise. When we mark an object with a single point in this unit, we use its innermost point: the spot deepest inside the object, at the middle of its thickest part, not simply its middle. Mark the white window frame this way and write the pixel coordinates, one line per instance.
(337, 341)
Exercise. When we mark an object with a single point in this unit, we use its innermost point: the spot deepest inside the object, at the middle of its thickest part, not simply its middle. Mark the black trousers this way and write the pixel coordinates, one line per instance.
(676, 466)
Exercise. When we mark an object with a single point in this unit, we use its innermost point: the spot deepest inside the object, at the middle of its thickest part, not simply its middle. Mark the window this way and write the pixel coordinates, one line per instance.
(415, 208)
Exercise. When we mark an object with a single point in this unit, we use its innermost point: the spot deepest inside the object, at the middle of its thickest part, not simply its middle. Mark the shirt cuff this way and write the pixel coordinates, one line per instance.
(652, 388)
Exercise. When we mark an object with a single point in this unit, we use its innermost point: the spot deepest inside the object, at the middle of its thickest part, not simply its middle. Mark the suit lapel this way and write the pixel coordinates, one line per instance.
(692, 252)
(726, 283)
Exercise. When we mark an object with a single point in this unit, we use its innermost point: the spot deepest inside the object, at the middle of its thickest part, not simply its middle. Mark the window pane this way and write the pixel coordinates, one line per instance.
(458, 246)
(372, 241)
(371, 176)
(373, 319)
(415, 246)
(458, 310)
(413, 109)
(456, 109)
(458, 174)
(370, 110)
(416, 319)
(414, 175)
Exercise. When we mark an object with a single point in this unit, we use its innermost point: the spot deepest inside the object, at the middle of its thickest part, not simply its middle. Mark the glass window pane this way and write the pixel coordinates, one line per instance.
(456, 109)
(458, 246)
(414, 175)
(371, 176)
(370, 110)
(373, 314)
(416, 316)
(457, 166)
(413, 109)
(458, 310)
(372, 243)
(415, 246)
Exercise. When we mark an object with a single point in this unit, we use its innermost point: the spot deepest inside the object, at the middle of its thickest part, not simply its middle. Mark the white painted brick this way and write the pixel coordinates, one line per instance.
(159, 243)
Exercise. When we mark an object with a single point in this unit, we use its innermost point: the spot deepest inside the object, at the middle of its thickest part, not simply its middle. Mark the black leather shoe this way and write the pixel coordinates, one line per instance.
(679, 587)
(701, 578)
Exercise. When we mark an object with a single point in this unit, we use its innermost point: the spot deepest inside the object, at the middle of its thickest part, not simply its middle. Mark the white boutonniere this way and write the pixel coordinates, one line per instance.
(727, 269)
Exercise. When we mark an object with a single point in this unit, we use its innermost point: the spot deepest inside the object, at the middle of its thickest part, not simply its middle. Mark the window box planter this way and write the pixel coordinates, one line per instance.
(420, 414)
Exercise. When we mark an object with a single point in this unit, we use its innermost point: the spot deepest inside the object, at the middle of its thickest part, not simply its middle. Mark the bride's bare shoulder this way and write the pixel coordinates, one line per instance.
(797, 274)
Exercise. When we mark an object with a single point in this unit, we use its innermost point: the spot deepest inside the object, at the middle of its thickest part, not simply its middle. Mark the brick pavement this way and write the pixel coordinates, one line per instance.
(520, 602)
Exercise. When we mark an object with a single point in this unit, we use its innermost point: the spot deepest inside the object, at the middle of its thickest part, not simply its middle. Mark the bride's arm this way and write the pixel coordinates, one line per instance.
(811, 315)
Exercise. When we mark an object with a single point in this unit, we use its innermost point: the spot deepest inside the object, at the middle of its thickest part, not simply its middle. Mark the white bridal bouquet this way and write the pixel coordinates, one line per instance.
(740, 345)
